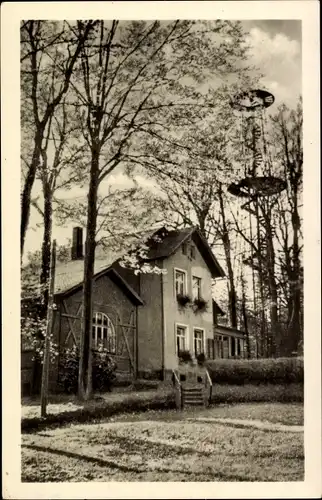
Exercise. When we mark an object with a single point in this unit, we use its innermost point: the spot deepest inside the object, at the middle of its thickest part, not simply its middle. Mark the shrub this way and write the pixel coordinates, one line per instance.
(103, 374)
(268, 393)
(256, 371)
(183, 300)
(201, 359)
(103, 371)
(98, 409)
(200, 305)
(185, 356)
(68, 370)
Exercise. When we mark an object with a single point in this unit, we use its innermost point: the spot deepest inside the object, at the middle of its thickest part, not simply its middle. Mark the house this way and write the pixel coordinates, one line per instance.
(145, 320)
(229, 342)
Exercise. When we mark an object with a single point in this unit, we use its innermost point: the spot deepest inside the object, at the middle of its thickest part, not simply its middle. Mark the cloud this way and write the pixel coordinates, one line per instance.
(278, 58)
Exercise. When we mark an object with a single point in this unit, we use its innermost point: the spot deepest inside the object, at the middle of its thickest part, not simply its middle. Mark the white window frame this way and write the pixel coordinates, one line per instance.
(182, 325)
(185, 283)
(192, 288)
(204, 339)
(110, 332)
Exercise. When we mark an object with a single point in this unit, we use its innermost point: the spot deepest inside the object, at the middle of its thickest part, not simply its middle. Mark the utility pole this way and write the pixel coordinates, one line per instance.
(49, 327)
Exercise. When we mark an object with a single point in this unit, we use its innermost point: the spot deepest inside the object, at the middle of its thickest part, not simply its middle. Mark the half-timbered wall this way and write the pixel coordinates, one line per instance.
(109, 299)
(150, 318)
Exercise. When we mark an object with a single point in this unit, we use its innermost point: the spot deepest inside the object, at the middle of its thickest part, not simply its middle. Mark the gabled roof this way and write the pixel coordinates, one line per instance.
(172, 240)
(217, 309)
(114, 276)
(162, 243)
(70, 274)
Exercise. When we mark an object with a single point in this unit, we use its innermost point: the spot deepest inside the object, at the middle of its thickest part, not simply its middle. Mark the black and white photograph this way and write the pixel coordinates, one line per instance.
(161, 200)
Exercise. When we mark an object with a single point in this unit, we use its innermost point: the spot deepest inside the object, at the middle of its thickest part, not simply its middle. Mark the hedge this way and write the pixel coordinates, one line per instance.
(102, 408)
(268, 393)
(256, 371)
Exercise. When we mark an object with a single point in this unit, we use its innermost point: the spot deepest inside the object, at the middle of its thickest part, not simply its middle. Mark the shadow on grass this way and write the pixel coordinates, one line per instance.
(124, 468)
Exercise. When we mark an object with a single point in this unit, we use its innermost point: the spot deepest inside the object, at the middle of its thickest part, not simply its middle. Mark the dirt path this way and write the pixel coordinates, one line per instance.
(254, 424)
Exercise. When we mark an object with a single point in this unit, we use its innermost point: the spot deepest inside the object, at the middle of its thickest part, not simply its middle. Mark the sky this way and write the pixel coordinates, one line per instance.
(276, 51)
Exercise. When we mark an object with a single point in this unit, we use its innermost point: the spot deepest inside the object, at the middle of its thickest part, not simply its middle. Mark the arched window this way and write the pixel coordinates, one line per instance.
(103, 332)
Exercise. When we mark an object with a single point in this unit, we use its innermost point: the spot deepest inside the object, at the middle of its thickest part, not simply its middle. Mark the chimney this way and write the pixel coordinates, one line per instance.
(77, 243)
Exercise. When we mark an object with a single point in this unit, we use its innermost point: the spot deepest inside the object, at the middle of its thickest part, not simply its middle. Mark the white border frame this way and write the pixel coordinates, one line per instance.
(12, 13)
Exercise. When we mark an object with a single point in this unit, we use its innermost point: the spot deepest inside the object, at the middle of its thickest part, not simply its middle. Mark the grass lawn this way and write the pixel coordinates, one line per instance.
(170, 446)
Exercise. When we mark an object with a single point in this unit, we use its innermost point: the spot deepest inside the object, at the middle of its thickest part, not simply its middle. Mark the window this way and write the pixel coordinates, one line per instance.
(219, 346)
(181, 338)
(198, 336)
(103, 332)
(196, 287)
(211, 348)
(180, 282)
(184, 248)
(192, 252)
(225, 347)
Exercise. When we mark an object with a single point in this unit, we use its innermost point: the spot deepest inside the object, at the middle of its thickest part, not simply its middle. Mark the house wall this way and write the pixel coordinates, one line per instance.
(109, 299)
(150, 324)
(149, 319)
(174, 314)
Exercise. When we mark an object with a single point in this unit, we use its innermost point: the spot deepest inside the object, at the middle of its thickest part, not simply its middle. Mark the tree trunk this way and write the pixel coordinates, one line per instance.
(26, 193)
(294, 333)
(85, 363)
(46, 245)
(246, 326)
(232, 291)
(227, 249)
(274, 337)
(263, 341)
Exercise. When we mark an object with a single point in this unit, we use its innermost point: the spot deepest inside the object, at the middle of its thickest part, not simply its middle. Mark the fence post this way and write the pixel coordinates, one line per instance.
(49, 326)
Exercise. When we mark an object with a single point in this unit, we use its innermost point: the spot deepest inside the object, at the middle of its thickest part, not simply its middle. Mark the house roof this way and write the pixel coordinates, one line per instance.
(228, 330)
(217, 309)
(70, 274)
(161, 242)
(110, 272)
(171, 241)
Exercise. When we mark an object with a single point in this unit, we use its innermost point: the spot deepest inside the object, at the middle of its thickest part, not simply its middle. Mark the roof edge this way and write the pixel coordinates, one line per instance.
(109, 269)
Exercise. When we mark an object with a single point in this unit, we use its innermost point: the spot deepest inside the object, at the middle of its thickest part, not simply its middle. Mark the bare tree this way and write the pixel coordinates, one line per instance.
(131, 83)
(289, 151)
(61, 167)
(49, 51)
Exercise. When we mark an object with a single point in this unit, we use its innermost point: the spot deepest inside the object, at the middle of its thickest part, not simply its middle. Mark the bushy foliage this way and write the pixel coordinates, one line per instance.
(33, 329)
(183, 299)
(160, 399)
(257, 371)
(201, 359)
(103, 370)
(185, 357)
(200, 305)
(251, 393)
(103, 374)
